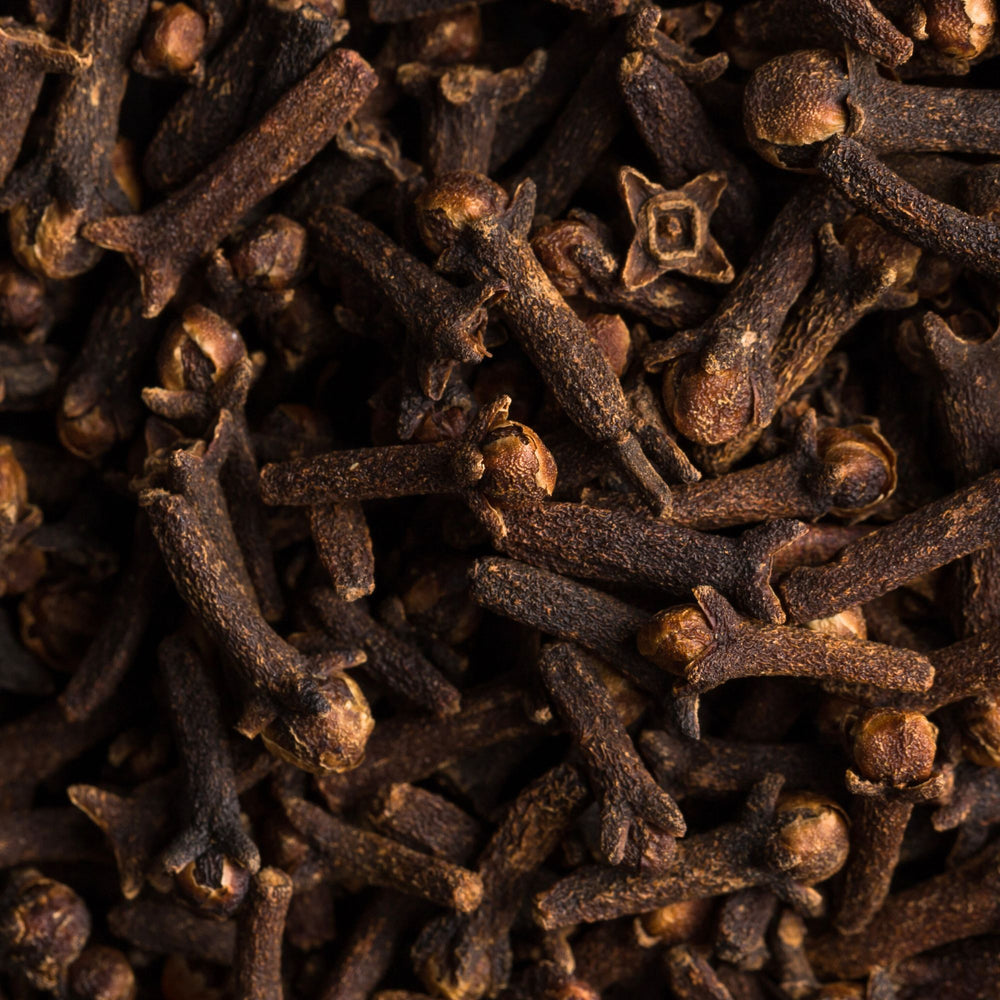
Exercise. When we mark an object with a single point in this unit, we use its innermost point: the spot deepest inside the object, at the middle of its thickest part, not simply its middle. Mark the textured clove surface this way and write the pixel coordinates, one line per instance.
(499, 499)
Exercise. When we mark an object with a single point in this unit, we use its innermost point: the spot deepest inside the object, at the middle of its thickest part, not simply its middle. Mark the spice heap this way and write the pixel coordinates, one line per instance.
(499, 500)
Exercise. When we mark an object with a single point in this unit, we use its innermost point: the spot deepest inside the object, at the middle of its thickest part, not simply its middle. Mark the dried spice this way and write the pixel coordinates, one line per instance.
(595, 517)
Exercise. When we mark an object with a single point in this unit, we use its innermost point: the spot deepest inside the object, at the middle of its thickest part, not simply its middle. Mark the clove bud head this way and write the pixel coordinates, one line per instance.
(554, 244)
(960, 28)
(272, 255)
(707, 407)
(174, 38)
(675, 637)
(332, 740)
(809, 839)
(198, 351)
(454, 201)
(847, 624)
(981, 732)
(13, 487)
(44, 926)
(215, 884)
(794, 102)
(675, 923)
(611, 334)
(859, 468)
(518, 469)
(894, 747)
(101, 973)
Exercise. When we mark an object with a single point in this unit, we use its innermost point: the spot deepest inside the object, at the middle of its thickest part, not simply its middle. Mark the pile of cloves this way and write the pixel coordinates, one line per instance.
(499, 500)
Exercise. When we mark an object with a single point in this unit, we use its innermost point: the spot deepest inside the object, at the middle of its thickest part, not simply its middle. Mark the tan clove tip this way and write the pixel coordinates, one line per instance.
(795, 100)
(198, 351)
(44, 926)
(330, 741)
(675, 637)
(673, 924)
(960, 28)
(860, 467)
(809, 841)
(707, 407)
(517, 467)
(101, 973)
(894, 747)
(217, 892)
(454, 201)
(981, 731)
(174, 38)
(272, 255)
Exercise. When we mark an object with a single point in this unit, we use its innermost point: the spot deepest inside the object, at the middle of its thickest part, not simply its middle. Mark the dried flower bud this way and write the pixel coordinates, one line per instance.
(333, 740)
(22, 298)
(214, 884)
(708, 407)
(795, 100)
(174, 38)
(453, 201)
(13, 486)
(849, 624)
(272, 255)
(198, 351)
(961, 28)
(673, 638)
(674, 924)
(101, 973)
(840, 991)
(810, 838)
(613, 338)
(552, 245)
(860, 467)
(517, 467)
(981, 731)
(452, 37)
(894, 747)
(44, 926)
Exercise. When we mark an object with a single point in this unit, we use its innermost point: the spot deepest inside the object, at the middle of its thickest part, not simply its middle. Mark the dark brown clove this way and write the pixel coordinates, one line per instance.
(74, 179)
(785, 844)
(622, 546)
(167, 240)
(629, 797)
(353, 853)
(469, 956)
(931, 536)
(482, 233)
(894, 754)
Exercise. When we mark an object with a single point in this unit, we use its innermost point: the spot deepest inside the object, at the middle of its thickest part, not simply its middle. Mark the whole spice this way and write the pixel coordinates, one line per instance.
(538, 470)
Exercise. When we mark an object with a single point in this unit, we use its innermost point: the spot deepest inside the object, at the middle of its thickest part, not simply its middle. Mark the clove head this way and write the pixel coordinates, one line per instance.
(101, 973)
(332, 740)
(272, 255)
(452, 202)
(793, 103)
(809, 838)
(981, 731)
(174, 38)
(859, 468)
(675, 637)
(215, 884)
(198, 351)
(44, 926)
(612, 335)
(517, 467)
(893, 747)
(707, 407)
(959, 28)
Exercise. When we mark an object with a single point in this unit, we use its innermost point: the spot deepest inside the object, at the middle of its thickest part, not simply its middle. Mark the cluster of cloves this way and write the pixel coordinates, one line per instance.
(499, 500)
